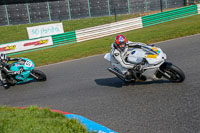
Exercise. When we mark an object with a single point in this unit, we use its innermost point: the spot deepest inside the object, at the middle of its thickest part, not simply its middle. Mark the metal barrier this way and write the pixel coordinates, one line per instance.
(108, 29)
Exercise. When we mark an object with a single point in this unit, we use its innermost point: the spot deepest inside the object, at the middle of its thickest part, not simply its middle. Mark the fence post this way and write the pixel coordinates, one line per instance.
(161, 6)
(109, 7)
(129, 7)
(166, 3)
(146, 6)
(29, 17)
(89, 8)
(115, 14)
(49, 10)
(69, 10)
(6, 10)
(186, 2)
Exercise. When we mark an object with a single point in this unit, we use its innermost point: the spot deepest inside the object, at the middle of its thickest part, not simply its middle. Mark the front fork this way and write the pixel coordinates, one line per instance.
(34, 76)
(163, 66)
(164, 73)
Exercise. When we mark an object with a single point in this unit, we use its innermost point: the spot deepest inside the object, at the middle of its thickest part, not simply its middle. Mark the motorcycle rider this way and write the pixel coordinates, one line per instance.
(119, 51)
(4, 69)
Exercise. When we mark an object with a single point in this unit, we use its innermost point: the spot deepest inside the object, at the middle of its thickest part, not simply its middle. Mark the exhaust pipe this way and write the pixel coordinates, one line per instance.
(116, 73)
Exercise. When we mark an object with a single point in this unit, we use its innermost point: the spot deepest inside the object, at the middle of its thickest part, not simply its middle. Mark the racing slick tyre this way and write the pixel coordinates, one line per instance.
(39, 75)
(173, 73)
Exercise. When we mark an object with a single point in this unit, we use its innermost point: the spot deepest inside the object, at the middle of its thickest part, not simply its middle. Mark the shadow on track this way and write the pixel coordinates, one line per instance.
(21, 84)
(111, 82)
(116, 82)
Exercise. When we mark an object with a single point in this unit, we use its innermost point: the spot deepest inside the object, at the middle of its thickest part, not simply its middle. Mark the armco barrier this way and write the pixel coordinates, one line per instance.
(108, 29)
(119, 27)
(169, 15)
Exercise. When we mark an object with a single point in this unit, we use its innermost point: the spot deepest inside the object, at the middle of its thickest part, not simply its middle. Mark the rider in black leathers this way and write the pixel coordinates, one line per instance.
(4, 70)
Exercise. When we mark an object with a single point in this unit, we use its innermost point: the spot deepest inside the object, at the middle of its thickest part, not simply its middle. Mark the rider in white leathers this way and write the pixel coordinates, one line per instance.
(119, 52)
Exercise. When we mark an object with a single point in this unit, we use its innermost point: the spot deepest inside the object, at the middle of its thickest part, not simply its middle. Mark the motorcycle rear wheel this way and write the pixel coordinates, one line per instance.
(40, 75)
(175, 73)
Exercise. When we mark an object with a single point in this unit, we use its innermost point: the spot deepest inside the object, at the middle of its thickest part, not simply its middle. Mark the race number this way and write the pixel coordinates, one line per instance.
(28, 63)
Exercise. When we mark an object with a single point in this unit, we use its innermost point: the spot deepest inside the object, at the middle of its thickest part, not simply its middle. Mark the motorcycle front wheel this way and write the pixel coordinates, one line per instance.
(38, 75)
(173, 73)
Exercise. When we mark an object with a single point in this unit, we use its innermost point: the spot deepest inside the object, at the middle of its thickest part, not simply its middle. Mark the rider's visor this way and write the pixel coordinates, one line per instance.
(122, 45)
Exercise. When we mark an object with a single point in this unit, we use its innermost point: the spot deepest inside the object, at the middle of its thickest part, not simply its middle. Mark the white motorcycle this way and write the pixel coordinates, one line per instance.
(153, 66)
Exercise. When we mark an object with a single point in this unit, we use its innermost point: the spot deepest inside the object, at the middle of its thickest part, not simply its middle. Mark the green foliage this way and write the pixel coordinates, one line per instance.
(35, 120)
(152, 34)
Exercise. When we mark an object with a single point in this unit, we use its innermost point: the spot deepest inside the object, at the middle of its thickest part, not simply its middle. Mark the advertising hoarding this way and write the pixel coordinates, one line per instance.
(25, 45)
(45, 30)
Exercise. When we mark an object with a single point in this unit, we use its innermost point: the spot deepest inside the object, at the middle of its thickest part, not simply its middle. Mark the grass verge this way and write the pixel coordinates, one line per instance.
(152, 34)
(35, 120)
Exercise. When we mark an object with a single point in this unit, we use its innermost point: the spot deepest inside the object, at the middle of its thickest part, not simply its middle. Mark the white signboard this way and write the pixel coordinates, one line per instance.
(26, 45)
(45, 30)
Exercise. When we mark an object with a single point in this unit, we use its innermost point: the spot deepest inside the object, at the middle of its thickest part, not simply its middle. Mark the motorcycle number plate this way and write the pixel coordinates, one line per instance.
(28, 63)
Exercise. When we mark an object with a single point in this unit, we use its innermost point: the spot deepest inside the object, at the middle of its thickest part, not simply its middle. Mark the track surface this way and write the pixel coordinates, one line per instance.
(86, 88)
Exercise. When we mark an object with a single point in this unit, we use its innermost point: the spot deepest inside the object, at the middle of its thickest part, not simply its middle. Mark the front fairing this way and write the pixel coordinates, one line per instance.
(152, 54)
(27, 66)
(159, 57)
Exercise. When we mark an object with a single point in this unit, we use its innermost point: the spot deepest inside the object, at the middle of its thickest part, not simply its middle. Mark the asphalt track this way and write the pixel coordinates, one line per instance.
(86, 88)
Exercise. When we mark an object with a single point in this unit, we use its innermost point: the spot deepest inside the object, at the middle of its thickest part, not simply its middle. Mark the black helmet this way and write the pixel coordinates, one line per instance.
(3, 58)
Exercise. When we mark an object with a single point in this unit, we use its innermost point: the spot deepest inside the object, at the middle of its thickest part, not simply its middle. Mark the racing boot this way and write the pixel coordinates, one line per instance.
(12, 81)
(5, 84)
(128, 75)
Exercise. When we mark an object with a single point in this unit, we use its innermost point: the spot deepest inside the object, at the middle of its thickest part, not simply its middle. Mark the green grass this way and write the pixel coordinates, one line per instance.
(35, 120)
(19, 32)
(152, 34)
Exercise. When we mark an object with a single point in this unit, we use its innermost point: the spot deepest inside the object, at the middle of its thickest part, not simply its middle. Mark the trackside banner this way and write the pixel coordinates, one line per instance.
(45, 30)
(26, 45)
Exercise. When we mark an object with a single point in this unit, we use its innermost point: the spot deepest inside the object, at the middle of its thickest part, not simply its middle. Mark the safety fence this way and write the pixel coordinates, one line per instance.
(112, 28)
(14, 12)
